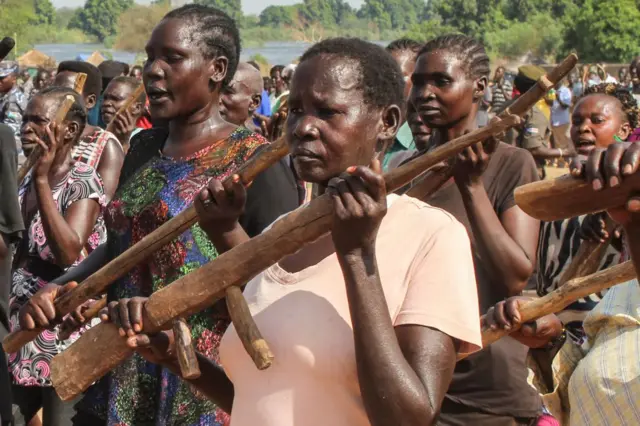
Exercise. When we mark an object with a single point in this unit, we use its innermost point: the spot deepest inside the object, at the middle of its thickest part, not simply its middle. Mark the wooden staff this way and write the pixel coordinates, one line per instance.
(130, 101)
(567, 196)
(562, 297)
(589, 256)
(78, 84)
(101, 348)
(99, 282)
(78, 87)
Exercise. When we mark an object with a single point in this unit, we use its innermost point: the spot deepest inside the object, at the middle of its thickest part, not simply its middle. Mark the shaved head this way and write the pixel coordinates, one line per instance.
(240, 99)
(249, 76)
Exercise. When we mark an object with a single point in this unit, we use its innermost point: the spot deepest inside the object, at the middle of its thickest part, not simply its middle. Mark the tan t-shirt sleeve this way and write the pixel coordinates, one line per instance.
(441, 292)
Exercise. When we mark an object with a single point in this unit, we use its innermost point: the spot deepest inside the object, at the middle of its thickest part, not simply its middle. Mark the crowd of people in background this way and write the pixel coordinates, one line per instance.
(367, 322)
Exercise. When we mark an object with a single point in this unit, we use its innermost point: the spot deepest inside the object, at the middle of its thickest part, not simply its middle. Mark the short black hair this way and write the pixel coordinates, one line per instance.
(275, 69)
(404, 43)
(623, 95)
(77, 112)
(112, 69)
(467, 49)
(93, 85)
(133, 83)
(382, 83)
(254, 64)
(215, 31)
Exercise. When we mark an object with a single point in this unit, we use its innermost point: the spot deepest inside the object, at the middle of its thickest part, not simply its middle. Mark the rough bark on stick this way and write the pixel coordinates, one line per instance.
(99, 282)
(195, 291)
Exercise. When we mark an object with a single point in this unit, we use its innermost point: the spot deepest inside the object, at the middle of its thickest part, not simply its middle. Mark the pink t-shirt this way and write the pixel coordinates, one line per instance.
(426, 270)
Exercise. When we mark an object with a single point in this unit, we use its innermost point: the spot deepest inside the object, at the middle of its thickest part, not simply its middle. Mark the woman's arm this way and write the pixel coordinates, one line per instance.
(507, 244)
(67, 234)
(110, 166)
(404, 372)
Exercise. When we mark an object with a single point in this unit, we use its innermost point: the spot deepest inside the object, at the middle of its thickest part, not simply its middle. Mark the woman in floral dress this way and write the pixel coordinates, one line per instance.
(192, 53)
(61, 202)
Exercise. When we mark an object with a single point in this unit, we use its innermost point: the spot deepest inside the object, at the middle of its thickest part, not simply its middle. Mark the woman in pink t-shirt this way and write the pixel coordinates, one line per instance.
(365, 323)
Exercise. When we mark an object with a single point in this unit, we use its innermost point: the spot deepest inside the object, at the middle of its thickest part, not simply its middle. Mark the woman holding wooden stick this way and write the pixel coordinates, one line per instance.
(192, 54)
(97, 147)
(598, 381)
(364, 323)
(449, 81)
(61, 205)
(606, 113)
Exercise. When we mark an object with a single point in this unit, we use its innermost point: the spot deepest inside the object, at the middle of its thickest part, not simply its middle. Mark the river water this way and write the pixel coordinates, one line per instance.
(275, 52)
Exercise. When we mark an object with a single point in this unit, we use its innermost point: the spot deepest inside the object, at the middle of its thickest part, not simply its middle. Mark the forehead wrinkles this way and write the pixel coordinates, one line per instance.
(337, 76)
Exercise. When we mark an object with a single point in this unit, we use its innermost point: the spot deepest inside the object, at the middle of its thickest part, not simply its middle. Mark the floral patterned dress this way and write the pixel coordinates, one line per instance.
(153, 189)
(30, 366)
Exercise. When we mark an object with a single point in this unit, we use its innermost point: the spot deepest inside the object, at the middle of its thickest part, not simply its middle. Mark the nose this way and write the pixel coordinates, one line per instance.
(305, 128)
(153, 71)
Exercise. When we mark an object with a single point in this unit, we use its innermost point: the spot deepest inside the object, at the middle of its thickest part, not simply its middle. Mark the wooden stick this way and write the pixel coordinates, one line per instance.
(78, 87)
(562, 297)
(589, 256)
(130, 101)
(78, 84)
(101, 349)
(99, 282)
(189, 367)
(567, 196)
(254, 343)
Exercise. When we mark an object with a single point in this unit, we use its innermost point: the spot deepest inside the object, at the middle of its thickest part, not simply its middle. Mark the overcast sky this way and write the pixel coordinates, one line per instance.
(249, 6)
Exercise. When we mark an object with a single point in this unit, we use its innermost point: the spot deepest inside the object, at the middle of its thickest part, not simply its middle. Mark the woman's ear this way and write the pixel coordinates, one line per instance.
(218, 68)
(390, 122)
(71, 131)
(90, 101)
(137, 108)
(625, 131)
(480, 85)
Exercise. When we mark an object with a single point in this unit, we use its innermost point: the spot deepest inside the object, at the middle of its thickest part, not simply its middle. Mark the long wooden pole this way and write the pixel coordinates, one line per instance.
(78, 86)
(562, 297)
(567, 196)
(99, 282)
(195, 291)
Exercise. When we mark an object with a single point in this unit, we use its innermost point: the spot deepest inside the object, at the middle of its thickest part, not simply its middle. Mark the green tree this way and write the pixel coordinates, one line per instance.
(16, 17)
(232, 8)
(396, 14)
(466, 16)
(327, 13)
(136, 24)
(604, 31)
(45, 12)
(99, 18)
(274, 16)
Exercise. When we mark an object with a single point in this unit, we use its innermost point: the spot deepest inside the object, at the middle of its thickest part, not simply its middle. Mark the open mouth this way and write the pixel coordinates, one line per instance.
(156, 94)
(585, 147)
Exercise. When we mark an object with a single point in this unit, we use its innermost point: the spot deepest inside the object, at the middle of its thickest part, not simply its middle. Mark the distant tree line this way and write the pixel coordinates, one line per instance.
(598, 30)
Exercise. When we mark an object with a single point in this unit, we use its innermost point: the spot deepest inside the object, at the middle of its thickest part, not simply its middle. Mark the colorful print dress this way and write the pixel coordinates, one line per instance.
(30, 366)
(153, 189)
